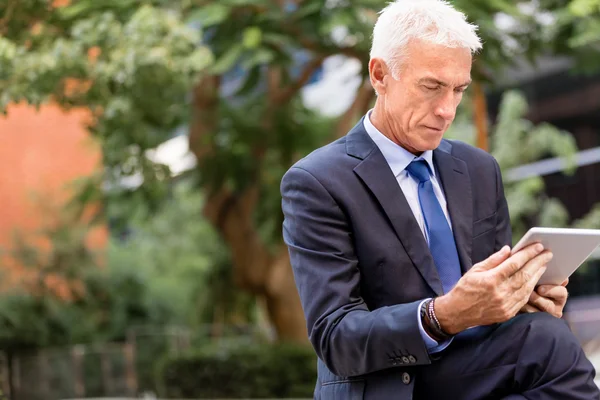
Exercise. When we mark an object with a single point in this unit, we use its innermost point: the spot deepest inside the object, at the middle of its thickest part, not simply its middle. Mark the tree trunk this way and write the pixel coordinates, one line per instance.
(256, 269)
(283, 302)
(360, 106)
(480, 115)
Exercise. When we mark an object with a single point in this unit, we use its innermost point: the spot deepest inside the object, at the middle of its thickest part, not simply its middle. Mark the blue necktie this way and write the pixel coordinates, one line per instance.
(441, 240)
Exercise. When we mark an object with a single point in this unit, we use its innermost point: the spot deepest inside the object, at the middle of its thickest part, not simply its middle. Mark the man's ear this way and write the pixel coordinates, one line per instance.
(379, 75)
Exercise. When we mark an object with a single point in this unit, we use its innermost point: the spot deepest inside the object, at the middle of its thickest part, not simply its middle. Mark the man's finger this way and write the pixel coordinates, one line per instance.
(528, 308)
(554, 292)
(495, 259)
(532, 271)
(516, 261)
(542, 303)
(565, 282)
(527, 280)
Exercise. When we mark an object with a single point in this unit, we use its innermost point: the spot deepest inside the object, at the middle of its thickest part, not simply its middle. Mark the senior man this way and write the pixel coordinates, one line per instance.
(399, 240)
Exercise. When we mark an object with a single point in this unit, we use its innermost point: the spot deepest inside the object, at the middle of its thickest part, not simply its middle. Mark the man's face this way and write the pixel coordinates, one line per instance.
(418, 108)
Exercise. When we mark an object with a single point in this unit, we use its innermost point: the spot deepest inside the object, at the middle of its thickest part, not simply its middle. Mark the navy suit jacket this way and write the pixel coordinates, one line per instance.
(362, 265)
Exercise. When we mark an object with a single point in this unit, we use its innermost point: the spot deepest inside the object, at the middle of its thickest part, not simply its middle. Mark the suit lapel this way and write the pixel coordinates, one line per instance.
(375, 172)
(456, 184)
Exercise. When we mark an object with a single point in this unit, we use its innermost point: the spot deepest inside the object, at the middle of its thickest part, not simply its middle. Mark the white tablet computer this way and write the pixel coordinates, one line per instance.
(570, 247)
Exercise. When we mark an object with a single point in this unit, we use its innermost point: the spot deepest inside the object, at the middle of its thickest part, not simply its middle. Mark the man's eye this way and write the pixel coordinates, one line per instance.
(460, 90)
(432, 87)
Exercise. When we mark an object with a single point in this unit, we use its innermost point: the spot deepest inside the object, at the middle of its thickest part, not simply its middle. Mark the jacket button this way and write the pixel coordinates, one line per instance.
(405, 378)
(412, 359)
(405, 360)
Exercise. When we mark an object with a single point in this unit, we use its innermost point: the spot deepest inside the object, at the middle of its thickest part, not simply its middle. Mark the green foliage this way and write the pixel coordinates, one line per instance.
(516, 141)
(112, 300)
(257, 371)
(132, 63)
(181, 260)
(32, 313)
(26, 322)
(574, 31)
(246, 151)
(591, 220)
(149, 56)
(163, 273)
(524, 39)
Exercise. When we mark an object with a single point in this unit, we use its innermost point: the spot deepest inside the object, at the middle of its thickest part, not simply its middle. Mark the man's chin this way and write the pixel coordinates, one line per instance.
(430, 144)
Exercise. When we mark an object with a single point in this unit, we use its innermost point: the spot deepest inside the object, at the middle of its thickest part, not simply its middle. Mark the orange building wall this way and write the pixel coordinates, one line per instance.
(41, 152)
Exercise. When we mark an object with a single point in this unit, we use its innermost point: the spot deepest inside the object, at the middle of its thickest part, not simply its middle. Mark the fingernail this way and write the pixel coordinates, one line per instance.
(539, 247)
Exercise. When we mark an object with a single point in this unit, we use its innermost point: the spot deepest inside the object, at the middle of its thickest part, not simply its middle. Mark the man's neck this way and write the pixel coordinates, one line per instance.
(379, 122)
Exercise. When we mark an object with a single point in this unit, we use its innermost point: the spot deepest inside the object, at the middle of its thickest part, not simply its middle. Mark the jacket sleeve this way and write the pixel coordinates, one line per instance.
(503, 227)
(348, 337)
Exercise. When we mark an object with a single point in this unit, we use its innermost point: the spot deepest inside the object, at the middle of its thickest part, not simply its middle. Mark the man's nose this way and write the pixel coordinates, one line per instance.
(446, 107)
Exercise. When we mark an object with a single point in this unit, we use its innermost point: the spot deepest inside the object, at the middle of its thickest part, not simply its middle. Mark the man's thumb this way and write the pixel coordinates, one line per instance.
(495, 259)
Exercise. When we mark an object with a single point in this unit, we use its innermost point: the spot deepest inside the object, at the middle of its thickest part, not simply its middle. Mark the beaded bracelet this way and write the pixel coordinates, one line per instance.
(428, 324)
(437, 328)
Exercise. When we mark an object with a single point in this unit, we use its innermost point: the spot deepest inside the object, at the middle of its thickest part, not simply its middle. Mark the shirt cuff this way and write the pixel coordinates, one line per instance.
(432, 345)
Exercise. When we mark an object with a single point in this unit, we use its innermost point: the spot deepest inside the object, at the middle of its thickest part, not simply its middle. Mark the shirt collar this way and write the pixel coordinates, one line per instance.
(396, 156)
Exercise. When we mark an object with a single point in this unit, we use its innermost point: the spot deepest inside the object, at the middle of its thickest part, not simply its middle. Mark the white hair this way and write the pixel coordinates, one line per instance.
(433, 21)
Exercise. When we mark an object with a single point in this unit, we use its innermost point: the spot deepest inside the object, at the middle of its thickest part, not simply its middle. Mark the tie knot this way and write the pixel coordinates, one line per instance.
(418, 168)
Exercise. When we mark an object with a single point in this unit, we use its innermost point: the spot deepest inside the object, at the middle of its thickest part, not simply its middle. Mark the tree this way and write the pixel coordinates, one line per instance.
(141, 66)
(573, 29)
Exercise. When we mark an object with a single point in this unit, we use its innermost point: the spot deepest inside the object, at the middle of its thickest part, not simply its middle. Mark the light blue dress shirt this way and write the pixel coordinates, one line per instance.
(398, 159)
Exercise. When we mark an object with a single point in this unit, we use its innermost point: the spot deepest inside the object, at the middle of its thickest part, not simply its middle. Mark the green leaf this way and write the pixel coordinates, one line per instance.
(505, 6)
(252, 37)
(277, 39)
(212, 14)
(583, 8)
(247, 2)
(227, 60)
(252, 80)
(84, 8)
(262, 56)
(587, 36)
(308, 10)
(200, 59)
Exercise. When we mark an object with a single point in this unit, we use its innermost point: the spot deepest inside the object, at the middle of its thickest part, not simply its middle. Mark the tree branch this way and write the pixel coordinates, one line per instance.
(205, 103)
(360, 106)
(318, 48)
(229, 212)
(274, 77)
(232, 215)
(10, 8)
(285, 95)
(480, 116)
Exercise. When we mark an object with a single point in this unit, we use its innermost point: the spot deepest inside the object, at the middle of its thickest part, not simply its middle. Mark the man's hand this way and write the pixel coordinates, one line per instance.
(548, 298)
(494, 290)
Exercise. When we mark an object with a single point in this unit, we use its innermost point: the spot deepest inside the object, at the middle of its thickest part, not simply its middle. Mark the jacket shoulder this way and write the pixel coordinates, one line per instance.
(326, 159)
(473, 156)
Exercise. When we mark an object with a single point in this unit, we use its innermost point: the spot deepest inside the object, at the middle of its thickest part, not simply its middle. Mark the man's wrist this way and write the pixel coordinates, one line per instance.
(447, 322)
(430, 322)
